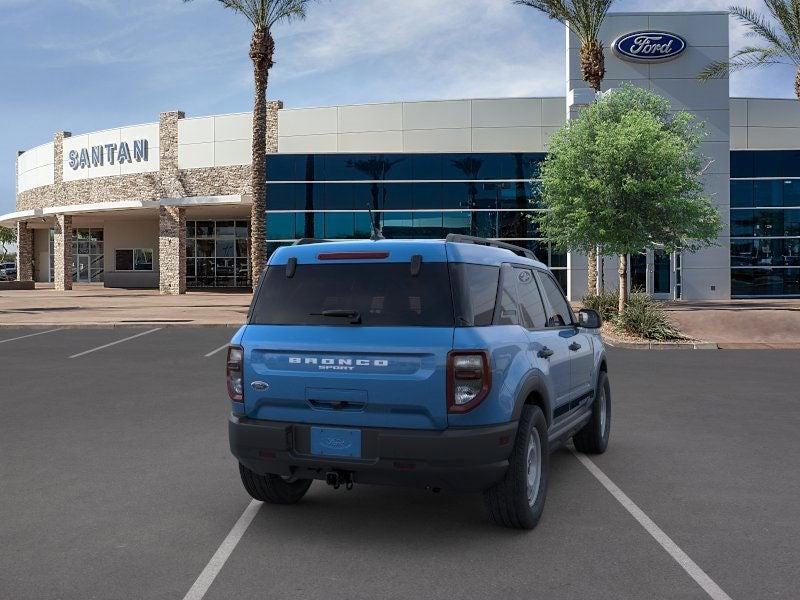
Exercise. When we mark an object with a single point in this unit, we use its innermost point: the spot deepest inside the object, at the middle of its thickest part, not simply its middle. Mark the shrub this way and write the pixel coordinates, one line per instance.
(644, 317)
(605, 303)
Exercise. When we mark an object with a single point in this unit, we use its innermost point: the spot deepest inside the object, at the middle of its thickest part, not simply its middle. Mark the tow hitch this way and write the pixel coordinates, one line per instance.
(339, 478)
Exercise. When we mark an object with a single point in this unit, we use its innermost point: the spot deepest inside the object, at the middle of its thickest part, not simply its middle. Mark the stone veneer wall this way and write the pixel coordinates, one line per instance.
(24, 252)
(62, 251)
(172, 250)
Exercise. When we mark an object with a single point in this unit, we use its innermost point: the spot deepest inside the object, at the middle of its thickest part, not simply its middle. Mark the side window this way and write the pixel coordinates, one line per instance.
(506, 312)
(561, 314)
(530, 300)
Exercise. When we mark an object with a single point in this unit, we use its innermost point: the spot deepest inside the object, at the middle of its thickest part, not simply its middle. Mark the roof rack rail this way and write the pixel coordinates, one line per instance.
(306, 241)
(469, 239)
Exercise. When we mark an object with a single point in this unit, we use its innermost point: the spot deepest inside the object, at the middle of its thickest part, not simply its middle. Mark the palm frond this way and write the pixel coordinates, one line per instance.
(583, 17)
(759, 26)
(745, 58)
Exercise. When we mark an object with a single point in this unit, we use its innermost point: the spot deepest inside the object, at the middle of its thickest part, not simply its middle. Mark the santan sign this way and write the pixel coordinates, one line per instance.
(649, 46)
(97, 156)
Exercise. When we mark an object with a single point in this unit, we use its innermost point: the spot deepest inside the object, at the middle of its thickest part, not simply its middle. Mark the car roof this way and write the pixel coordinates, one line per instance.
(401, 251)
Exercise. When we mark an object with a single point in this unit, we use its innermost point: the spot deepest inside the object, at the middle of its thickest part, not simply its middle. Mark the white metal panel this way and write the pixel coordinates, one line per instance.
(301, 144)
(554, 111)
(691, 94)
(768, 138)
(196, 131)
(709, 29)
(233, 127)
(307, 121)
(507, 112)
(233, 152)
(437, 140)
(717, 125)
(738, 109)
(195, 156)
(507, 139)
(151, 165)
(371, 141)
(739, 138)
(371, 117)
(614, 27)
(547, 133)
(445, 114)
(773, 112)
(690, 63)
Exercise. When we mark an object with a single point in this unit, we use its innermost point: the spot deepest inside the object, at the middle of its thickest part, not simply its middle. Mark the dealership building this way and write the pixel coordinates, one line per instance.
(167, 204)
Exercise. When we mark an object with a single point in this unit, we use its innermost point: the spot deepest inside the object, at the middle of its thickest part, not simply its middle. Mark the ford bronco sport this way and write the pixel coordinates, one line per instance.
(453, 364)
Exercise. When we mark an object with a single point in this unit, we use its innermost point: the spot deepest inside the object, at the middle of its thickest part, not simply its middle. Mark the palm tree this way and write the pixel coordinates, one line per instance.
(584, 19)
(263, 15)
(780, 42)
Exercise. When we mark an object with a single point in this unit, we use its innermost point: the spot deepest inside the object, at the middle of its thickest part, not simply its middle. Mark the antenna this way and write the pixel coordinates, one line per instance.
(376, 234)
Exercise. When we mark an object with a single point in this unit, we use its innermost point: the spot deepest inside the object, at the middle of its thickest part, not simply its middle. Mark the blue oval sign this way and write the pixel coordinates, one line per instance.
(649, 46)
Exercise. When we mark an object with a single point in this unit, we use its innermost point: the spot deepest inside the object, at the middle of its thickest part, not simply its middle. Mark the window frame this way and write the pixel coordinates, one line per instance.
(133, 260)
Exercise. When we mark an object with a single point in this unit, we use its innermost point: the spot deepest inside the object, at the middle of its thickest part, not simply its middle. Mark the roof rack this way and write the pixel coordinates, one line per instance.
(306, 241)
(469, 239)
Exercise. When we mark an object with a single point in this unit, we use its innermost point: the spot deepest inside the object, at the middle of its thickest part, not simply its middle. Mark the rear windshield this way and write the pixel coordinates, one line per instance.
(377, 294)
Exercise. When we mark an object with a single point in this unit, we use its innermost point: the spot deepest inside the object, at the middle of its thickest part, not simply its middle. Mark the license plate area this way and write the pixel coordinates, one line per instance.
(334, 441)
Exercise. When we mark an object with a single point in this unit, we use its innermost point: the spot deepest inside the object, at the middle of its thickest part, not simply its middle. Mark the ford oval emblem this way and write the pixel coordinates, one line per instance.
(259, 386)
(649, 46)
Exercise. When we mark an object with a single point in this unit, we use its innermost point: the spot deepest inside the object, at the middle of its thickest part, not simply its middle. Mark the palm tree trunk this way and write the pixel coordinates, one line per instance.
(593, 70)
(593, 67)
(261, 51)
(623, 282)
(797, 84)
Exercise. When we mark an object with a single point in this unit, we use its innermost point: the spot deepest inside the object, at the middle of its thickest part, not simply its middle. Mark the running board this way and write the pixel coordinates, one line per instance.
(560, 436)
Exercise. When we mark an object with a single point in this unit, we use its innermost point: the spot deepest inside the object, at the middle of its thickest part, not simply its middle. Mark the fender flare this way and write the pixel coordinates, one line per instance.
(534, 383)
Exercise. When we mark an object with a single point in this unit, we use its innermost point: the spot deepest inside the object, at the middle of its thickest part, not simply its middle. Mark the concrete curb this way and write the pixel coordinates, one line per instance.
(662, 345)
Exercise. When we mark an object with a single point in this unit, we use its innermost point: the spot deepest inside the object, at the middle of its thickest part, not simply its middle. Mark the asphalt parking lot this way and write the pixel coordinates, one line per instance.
(116, 482)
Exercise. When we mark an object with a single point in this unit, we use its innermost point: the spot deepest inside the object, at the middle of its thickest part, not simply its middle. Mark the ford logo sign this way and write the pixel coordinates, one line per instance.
(649, 46)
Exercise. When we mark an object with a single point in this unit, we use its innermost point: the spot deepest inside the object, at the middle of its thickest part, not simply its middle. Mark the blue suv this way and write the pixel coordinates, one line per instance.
(454, 364)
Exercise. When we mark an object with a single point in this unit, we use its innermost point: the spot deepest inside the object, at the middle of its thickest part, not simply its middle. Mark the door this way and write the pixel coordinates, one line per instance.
(580, 345)
(548, 348)
(83, 268)
(662, 271)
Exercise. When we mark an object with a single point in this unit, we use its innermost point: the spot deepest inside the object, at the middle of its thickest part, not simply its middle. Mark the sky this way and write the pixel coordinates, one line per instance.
(86, 65)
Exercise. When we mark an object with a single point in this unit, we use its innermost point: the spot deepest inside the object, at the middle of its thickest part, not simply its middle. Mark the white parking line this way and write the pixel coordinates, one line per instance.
(214, 566)
(695, 572)
(22, 337)
(220, 349)
(115, 343)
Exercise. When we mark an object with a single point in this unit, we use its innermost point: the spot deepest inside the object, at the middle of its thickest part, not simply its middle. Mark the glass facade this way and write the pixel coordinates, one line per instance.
(218, 254)
(414, 195)
(765, 223)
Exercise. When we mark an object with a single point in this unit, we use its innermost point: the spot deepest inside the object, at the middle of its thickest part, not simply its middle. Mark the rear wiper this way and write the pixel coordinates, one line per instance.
(353, 315)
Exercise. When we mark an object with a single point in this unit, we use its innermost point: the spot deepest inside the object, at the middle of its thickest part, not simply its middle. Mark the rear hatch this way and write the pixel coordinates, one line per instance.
(352, 339)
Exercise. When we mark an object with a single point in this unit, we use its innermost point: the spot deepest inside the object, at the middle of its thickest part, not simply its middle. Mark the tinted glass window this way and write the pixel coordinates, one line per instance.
(741, 194)
(123, 260)
(474, 293)
(382, 294)
(561, 314)
(742, 164)
(507, 312)
(530, 300)
(768, 193)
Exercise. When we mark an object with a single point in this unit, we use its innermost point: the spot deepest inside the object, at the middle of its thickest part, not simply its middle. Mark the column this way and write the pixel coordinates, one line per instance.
(171, 250)
(24, 252)
(62, 250)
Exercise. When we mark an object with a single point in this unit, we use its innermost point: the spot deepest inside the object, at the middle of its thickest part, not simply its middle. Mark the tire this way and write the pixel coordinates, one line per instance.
(593, 437)
(273, 489)
(513, 502)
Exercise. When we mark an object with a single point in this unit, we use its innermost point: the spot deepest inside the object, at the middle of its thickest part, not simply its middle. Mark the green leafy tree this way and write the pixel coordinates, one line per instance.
(7, 237)
(778, 40)
(263, 15)
(584, 19)
(626, 175)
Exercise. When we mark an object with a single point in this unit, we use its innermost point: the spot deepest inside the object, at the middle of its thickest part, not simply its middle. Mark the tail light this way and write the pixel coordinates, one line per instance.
(469, 379)
(233, 372)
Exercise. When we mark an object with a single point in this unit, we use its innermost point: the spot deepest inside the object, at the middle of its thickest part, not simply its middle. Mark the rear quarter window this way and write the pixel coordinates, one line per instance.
(474, 293)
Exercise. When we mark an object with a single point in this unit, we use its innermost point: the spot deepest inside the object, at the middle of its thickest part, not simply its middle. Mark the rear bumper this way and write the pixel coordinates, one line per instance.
(463, 459)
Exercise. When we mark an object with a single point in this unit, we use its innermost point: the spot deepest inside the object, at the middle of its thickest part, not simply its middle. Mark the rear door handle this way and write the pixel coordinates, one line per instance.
(545, 353)
(574, 346)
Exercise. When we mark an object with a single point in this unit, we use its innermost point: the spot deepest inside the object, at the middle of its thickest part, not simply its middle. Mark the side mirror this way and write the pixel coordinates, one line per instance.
(590, 319)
